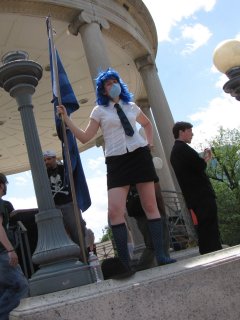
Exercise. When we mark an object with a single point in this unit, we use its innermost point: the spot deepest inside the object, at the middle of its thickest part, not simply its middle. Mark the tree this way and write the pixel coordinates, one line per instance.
(107, 234)
(224, 171)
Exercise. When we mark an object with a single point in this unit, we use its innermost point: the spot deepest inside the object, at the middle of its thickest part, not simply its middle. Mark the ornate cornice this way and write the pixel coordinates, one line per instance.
(143, 103)
(131, 34)
(144, 61)
(38, 8)
(83, 18)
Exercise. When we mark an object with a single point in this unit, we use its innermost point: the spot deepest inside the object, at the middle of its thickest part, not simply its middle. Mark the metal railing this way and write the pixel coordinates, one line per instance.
(180, 224)
(105, 250)
(22, 248)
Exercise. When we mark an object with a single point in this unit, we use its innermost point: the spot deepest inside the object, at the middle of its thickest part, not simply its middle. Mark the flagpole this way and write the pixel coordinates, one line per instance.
(77, 211)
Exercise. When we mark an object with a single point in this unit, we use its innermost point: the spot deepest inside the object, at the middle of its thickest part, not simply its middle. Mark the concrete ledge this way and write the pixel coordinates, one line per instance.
(203, 287)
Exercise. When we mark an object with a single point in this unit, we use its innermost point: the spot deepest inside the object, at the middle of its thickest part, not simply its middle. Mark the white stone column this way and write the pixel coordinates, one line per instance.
(165, 177)
(89, 26)
(159, 106)
(137, 238)
(164, 122)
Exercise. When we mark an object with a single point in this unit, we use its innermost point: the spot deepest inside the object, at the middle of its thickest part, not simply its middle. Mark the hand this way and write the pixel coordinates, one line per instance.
(207, 156)
(61, 110)
(13, 258)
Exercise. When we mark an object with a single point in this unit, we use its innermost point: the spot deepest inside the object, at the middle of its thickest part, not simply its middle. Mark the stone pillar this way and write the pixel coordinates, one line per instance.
(164, 123)
(160, 109)
(89, 26)
(56, 254)
(164, 174)
(166, 183)
(138, 241)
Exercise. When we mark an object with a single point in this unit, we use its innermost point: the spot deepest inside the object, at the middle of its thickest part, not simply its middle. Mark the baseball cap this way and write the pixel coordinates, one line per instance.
(49, 154)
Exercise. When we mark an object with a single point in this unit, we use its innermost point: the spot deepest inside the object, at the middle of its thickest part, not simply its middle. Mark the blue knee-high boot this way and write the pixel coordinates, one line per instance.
(119, 232)
(155, 228)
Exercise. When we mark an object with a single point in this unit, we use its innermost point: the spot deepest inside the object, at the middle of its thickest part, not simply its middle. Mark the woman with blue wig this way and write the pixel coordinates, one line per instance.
(128, 159)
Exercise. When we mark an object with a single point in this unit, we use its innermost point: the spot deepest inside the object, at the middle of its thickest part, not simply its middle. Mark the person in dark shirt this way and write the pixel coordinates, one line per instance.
(62, 195)
(13, 284)
(196, 187)
(60, 189)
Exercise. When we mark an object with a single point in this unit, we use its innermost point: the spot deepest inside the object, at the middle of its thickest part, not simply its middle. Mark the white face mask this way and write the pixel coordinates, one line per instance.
(115, 90)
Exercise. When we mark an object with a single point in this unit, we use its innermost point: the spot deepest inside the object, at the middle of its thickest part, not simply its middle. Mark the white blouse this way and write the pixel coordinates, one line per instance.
(116, 141)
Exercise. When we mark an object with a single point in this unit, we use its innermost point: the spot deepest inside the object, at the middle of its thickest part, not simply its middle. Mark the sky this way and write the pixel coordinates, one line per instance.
(188, 32)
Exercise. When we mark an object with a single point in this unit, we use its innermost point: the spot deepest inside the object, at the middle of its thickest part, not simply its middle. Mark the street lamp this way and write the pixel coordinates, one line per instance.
(226, 58)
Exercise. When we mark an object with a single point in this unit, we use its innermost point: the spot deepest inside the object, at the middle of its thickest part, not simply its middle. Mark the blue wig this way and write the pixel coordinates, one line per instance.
(103, 76)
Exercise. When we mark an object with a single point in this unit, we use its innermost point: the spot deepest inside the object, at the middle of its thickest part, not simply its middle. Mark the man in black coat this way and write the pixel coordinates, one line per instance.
(196, 187)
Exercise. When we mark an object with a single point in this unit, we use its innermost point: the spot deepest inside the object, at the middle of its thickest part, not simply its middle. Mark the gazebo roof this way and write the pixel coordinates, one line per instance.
(132, 34)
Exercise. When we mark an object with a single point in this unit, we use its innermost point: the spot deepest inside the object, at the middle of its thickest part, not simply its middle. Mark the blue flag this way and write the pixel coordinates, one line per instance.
(71, 104)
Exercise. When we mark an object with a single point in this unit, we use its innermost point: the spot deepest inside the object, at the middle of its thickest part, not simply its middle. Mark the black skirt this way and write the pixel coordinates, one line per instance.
(130, 168)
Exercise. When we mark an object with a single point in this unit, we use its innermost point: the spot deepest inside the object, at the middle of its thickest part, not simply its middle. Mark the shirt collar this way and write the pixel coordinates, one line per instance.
(111, 103)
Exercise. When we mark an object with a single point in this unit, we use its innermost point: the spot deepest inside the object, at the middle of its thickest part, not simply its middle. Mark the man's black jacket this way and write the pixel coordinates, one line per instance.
(190, 169)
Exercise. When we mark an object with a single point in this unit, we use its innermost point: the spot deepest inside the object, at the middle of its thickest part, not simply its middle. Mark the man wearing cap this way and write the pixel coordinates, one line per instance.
(61, 193)
(13, 284)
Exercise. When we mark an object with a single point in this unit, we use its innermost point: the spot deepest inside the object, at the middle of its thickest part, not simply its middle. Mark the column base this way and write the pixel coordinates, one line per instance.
(138, 249)
(60, 276)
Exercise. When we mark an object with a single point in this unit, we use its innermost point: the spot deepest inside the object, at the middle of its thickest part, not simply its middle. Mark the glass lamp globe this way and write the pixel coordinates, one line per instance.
(227, 55)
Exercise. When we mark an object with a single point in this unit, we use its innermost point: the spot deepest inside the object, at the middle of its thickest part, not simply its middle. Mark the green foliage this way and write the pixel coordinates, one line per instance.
(224, 171)
(107, 234)
(228, 213)
(226, 151)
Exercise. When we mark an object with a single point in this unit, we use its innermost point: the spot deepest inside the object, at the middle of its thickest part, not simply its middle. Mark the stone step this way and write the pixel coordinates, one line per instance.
(203, 287)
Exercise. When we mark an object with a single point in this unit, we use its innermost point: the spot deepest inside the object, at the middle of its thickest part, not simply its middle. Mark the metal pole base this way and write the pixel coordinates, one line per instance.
(60, 276)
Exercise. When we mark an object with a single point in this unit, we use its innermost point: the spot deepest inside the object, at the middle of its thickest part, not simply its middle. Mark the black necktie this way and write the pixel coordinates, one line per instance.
(124, 121)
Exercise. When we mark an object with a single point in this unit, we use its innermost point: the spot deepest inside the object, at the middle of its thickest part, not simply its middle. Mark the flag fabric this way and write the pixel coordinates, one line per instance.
(71, 104)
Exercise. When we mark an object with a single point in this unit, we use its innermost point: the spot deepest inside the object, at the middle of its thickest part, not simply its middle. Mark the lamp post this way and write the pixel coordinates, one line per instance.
(226, 58)
(56, 254)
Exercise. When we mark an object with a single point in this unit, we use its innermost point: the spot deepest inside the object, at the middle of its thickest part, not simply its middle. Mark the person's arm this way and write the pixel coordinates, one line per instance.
(147, 126)
(82, 135)
(13, 258)
(192, 158)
